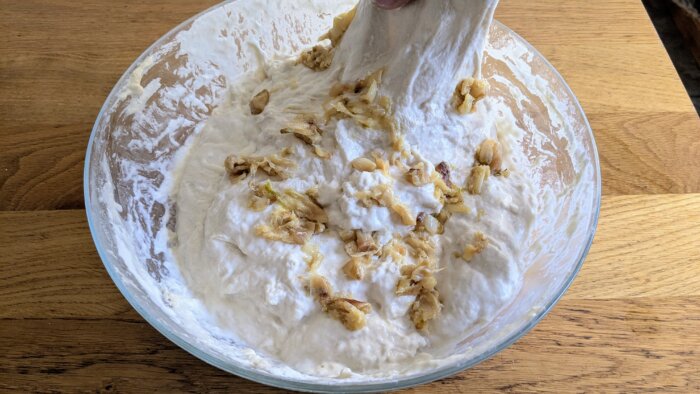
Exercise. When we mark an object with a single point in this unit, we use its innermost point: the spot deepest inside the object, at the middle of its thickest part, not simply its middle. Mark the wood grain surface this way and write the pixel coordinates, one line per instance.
(629, 323)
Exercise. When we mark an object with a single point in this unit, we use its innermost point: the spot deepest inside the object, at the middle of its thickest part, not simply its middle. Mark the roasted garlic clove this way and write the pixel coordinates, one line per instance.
(477, 177)
(259, 102)
(489, 153)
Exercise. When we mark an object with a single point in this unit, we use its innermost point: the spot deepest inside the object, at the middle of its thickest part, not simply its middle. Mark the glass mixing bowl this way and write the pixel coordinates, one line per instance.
(141, 128)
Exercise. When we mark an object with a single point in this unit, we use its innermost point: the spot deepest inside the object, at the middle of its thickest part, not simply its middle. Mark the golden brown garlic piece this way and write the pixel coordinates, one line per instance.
(259, 102)
(489, 153)
(313, 257)
(354, 269)
(319, 288)
(448, 194)
(351, 313)
(468, 92)
(297, 218)
(413, 278)
(275, 165)
(404, 213)
(394, 249)
(318, 58)
(304, 205)
(261, 196)
(286, 226)
(383, 196)
(444, 215)
(307, 130)
(445, 191)
(418, 280)
(444, 170)
(426, 307)
(428, 223)
(477, 177)
(364, 164)
(477, 246)
(360, 246)
(361, 102)
(422, 246)
(359, 243)
(382, 165)
(340, 26)
(418, 175)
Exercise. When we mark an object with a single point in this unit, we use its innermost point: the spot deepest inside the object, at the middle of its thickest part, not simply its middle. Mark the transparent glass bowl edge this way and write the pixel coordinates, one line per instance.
(271, 380)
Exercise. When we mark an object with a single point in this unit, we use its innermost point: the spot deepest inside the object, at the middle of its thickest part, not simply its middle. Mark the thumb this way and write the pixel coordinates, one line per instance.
(391, 4)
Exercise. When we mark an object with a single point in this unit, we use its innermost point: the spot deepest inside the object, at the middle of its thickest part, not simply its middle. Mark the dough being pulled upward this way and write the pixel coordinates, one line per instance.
(425, 48)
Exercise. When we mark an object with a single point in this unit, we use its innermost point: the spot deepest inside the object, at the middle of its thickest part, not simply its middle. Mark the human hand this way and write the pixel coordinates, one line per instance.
(391, 4)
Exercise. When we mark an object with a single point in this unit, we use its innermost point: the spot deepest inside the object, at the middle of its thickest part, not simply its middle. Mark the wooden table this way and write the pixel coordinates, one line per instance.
(630, 322)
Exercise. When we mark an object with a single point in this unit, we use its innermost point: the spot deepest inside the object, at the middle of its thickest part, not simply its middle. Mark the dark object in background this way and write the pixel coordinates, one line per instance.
(678, 25)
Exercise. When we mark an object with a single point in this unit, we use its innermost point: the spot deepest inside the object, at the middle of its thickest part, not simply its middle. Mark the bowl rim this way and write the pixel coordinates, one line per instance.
(280, 382)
